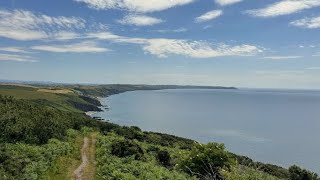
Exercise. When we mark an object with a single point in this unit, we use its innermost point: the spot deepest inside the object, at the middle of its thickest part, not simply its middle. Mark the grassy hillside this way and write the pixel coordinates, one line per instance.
(61, 98)
(42, 130)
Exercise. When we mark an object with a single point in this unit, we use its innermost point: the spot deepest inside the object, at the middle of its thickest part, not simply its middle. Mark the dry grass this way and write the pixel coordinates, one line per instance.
(19, 85)
(56, 91)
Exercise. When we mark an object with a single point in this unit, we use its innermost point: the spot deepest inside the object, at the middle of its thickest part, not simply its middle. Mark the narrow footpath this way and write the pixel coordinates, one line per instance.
(86, 170)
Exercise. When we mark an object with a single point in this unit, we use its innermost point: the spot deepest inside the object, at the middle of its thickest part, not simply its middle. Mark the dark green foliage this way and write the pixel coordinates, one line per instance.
(21, 161)
(168, 140)
(297, 173)
(273, 170)
(164, 158)
(206, 161)
(23, 121)
(127, 148)
(136, 128)
(130, 133)
(153, 149)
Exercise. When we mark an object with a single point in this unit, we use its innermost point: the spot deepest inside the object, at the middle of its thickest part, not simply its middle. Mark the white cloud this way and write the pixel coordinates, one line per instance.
(284, 7)
(13, 49)
(282, 57)
(162, 47)
(103, 36)
(140, 20)
(310, 23)
(115, 38)
(179, 30)
(209, 16)
(316, 55)
(195, 49)
(23, 35)
(25, 25)
(135, 5)
(83, 47)
(227, 2)
(207, 27)
(65, 35)
(19, 58)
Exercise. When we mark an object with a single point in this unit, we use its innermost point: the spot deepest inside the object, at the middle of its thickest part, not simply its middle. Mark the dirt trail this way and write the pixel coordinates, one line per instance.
(87, 168)
(84, 157)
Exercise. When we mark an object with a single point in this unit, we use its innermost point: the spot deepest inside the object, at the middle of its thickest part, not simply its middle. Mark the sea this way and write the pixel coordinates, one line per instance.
(280, 127)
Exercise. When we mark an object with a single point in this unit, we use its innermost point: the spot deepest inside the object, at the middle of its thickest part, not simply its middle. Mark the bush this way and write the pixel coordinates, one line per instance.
(125, 148)
(130, 133)
(240, 172)
(164, 158)
(22, 161)
(206, 161)
(296, 173)
(153, 149)
(270, 169)
(114, 168)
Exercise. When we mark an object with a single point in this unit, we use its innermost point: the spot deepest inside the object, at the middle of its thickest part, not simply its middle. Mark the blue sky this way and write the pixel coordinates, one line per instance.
(243, 43)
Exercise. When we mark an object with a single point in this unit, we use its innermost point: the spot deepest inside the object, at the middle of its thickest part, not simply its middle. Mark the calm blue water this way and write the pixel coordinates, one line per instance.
(274, 126)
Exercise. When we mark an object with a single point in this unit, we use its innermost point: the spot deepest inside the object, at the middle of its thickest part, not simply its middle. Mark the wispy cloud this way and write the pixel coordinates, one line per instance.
(282, 57)
(227, 2)
(179, 30)
(66, 35)
(207, 27)
(135, 5)
(209, 16)
(13, 49)
(284, 7)
(310, 23)
(83, 47)
(195, 49)
(162, 47)
(14, 57)
(26, 25)
(140, 20)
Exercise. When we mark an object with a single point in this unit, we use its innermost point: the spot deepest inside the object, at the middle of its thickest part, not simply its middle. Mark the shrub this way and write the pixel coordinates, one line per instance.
(206, 161)
(130, 133)
(153, 149)
(270, 169)
(296, 173)
(125, 148)
(164, 158)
